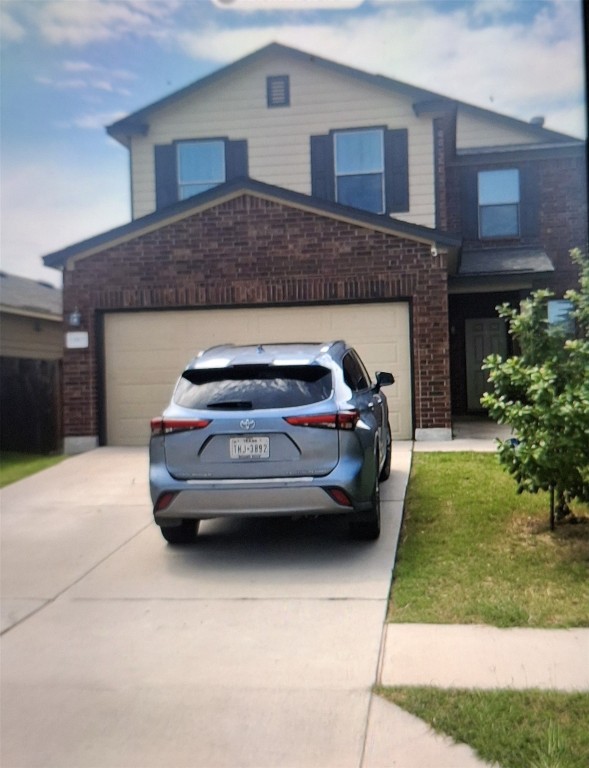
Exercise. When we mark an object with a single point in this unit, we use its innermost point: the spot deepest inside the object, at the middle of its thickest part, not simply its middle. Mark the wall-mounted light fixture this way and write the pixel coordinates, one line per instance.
(75, 318)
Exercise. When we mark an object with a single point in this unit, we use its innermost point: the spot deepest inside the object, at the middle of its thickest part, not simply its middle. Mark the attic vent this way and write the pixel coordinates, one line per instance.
(278, 91)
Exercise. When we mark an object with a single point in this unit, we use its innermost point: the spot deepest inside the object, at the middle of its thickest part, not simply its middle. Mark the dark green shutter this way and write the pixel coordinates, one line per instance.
(469, 195)
(166, 176)
(529, 202)
(396, 163)
(236, 162)
(322, 168)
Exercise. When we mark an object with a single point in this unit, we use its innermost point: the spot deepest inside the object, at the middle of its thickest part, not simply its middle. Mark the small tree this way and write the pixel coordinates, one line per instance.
(542, 393)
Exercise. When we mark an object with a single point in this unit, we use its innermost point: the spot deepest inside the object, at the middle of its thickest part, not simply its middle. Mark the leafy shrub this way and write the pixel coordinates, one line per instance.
(542, 393)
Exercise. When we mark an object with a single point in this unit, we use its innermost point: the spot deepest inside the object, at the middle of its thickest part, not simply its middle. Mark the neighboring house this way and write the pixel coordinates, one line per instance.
(287, 197)
(31, 349)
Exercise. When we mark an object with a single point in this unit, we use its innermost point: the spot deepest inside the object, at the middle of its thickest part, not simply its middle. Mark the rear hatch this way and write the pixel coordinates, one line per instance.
(252, 421)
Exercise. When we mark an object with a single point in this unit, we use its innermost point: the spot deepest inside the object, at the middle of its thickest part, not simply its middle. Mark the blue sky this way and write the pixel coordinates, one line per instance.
(70, 67)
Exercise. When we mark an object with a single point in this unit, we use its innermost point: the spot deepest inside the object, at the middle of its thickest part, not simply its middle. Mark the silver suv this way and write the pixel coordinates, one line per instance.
(274, 429)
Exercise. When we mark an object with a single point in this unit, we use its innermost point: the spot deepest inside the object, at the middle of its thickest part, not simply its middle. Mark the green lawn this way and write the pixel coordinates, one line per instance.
(473, 551)
(516, 729)
(16, 466)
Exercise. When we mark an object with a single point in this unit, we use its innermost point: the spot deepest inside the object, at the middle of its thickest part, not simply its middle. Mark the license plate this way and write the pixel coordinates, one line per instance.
(249, 447)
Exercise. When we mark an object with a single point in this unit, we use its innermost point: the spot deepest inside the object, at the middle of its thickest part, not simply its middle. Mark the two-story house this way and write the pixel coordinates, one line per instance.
(287, 197)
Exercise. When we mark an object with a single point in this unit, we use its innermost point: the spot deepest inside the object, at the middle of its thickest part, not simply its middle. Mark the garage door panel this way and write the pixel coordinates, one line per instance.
(146, 351)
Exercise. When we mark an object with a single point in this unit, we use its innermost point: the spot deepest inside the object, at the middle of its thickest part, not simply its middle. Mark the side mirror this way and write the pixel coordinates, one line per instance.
(384, 379)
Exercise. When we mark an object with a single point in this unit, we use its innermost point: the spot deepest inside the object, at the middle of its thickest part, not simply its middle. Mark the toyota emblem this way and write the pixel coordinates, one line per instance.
(247, 424)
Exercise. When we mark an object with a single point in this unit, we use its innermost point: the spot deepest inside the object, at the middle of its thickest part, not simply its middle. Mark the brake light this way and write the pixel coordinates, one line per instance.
(340, 497)
(161, 426)
(341, 420)
(164, 500)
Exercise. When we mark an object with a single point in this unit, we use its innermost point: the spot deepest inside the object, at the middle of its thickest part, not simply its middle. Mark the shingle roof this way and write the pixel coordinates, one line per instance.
(239, 187)
(423, 100)
(504, 261)
(20, 295)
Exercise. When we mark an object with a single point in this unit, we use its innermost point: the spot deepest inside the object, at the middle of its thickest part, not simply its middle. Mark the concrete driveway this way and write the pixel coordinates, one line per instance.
(258, 646)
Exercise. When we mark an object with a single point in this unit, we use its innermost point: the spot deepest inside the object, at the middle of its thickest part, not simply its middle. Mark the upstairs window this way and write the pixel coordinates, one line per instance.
(278, 91)
(360, 169)
(189, 166)
(201, 166)
(365, 168)
(499, 203)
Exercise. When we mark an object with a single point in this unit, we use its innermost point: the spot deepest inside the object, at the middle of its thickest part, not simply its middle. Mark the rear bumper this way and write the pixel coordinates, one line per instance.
(201, 500)
(260, 500)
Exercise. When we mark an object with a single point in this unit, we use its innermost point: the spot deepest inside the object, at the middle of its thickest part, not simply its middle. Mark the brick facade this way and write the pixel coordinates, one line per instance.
(247, 252)
(562, 216)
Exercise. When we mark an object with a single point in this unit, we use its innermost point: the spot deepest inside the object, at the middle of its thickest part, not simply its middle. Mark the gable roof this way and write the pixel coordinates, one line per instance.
(31, 298)
(237, 188)
(424, 101)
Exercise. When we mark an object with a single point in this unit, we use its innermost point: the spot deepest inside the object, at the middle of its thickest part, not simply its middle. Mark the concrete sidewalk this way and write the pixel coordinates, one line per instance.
(485, 657)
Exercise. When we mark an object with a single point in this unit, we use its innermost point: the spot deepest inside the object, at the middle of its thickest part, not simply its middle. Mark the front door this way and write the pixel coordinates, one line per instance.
(484, 336)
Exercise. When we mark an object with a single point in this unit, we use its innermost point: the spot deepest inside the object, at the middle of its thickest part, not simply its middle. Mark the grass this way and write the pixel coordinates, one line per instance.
(535, 729)
(473, 551)
(16, 466)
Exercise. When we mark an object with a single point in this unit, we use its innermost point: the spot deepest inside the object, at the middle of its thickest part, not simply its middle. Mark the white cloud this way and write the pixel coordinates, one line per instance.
(91, 121)
(96, 121)
(82, 22)
(89, 77)
(520, 69)
(48, 207)
(285, 5)
(10, 29)
(78, 66)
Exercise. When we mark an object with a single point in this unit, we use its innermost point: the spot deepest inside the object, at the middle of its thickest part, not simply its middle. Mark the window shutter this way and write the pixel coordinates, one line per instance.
(470, 204)
(529, 201)
(396, 154)
(166, 177)
(236, 161)
(322, 168)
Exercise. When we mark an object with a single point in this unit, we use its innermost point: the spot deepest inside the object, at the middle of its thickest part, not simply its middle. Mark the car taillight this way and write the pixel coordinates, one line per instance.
(340, 497)
(161, 426)
(341, 420)
(164, 500)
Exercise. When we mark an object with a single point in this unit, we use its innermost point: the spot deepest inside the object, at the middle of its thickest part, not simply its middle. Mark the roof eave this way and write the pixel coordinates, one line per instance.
(425, 101)
(236, 188)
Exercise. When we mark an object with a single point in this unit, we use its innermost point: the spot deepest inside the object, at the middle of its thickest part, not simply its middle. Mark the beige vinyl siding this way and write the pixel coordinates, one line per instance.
(29, 337)
(279, 138)
(473, 131)
(146, 351)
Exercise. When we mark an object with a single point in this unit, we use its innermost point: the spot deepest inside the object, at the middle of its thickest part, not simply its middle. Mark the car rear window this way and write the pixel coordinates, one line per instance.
(253, 387)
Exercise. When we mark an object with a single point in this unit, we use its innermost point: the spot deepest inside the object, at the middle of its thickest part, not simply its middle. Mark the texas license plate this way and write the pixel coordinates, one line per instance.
(249, 447)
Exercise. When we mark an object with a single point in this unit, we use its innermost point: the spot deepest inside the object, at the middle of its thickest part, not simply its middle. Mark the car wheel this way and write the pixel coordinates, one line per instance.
(386, 470)
(367, 528)
(185, 533)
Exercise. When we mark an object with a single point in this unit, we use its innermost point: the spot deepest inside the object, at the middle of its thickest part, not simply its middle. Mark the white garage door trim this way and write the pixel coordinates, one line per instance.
(144, 352)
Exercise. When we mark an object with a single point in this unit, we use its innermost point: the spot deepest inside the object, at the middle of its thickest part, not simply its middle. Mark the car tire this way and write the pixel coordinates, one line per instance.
(386, 470)
(185, 533)
(367, 528)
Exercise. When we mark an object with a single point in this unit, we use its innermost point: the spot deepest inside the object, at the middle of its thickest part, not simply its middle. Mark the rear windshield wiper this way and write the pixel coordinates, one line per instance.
(232, 405)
